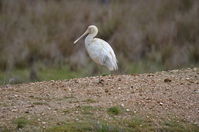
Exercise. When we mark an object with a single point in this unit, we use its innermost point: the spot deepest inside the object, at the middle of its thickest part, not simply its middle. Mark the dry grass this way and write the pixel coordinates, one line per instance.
(162, 32)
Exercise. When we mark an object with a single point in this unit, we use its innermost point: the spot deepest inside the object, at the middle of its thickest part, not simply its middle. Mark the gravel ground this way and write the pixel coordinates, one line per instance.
(157, 96)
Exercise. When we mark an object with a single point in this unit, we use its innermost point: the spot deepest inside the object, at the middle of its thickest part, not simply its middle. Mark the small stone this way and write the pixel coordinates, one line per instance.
(59, 123)
(195, 69)
(150, 75)
(16, 95)
(122, 105)
(167, 80)
(14, 110)
(196, 91)
(106, 90)
(127, 110)
(43, 122)
(101, 81)
(174, 71)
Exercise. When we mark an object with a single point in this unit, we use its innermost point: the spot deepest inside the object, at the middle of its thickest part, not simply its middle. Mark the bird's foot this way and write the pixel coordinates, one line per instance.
(100, 81)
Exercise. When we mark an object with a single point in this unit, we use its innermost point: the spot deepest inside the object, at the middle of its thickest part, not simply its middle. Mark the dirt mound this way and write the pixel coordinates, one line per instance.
(161, 95)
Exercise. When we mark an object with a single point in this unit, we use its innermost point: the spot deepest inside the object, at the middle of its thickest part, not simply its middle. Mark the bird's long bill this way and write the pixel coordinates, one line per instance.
(81, 36)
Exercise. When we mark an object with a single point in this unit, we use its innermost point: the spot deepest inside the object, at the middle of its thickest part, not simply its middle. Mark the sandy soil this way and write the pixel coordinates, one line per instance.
(154, 95)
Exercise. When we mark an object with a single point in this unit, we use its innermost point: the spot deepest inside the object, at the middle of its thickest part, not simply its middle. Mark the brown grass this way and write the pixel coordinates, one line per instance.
(162, 32)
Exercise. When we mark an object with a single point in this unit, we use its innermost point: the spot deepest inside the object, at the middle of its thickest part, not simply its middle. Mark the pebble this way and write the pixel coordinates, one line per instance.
(167, 80)
(196, 91)
(195, 69)
(16, 95)
(106, 90)
(43, 122)
(27, 111)
(14, 110)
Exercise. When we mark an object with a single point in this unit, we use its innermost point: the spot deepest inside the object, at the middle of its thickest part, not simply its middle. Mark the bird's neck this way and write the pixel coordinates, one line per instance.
(90, 38)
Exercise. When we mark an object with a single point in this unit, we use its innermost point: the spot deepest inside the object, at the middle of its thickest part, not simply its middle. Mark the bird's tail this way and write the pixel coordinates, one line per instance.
(112, 65)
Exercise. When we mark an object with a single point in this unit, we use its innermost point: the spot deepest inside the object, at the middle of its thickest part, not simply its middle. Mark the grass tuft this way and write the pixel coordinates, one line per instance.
(139, 124)
(5, 129)
(179, 126)
(87, 109)
(115, 110)
(40, 103)
(21, 122)
(71, 127)
(90, 100)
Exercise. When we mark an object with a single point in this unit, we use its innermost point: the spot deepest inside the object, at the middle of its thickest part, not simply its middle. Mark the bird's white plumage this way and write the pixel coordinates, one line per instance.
(99, 50)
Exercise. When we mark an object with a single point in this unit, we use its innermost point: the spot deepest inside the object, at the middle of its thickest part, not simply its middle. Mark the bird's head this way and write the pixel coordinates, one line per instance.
(92, 29)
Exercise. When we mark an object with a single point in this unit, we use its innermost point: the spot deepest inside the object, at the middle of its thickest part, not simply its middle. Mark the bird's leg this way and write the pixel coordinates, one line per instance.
(99, 76)
(100, 80)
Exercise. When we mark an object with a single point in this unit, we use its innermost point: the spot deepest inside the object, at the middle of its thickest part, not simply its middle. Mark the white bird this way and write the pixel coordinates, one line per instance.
(99, 50)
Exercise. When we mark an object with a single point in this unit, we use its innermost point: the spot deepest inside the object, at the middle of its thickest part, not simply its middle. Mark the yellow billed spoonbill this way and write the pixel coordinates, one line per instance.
(99, 50)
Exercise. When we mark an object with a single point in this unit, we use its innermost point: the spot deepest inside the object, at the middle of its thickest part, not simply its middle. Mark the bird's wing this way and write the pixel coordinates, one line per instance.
(108, 49)
(108, 57)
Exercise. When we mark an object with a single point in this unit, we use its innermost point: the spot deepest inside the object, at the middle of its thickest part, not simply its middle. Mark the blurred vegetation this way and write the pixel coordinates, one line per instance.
(36, 37)
(136, 124)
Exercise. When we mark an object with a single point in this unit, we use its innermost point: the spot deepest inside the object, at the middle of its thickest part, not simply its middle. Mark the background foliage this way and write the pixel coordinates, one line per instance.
(36, 36)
